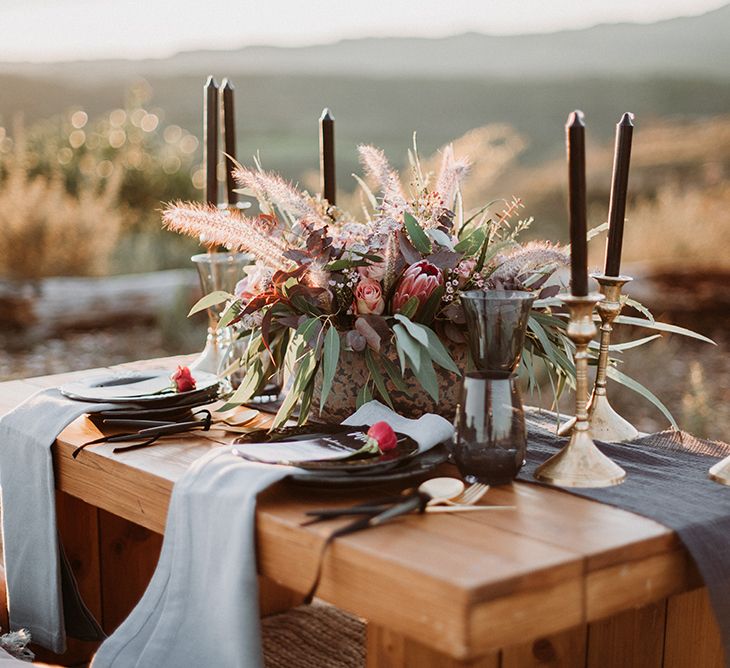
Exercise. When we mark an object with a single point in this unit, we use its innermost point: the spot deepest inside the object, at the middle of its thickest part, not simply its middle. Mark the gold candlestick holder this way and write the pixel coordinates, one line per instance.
(580, 463)
(720, 472)
(606, 424)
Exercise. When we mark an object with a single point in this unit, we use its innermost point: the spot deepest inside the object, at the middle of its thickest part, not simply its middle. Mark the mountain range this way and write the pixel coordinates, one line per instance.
(680, 47)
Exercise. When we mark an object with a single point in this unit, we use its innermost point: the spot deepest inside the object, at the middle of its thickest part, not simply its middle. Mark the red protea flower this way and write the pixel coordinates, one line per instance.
(419, 280)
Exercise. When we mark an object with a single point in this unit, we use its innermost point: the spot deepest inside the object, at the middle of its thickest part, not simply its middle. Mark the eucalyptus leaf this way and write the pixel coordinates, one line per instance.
(249, 385)
(409, 345)
(438, 352)
(363, 396)
(639, 307)
(431, 306)
(426, 374)
(377, 377)
(418, 332)
(307, 365)
(231, 312)
(637, 387)
(418, 237)
(471, 244)
(216, 297)
(306, 402)
(410, 307)
(395, 377)
(628, 345)
(662, 327)
(401, 356)
(441, 238)
(330, 359)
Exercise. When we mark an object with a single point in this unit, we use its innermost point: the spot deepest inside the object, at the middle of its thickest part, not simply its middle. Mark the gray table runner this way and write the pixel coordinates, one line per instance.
(667, 482)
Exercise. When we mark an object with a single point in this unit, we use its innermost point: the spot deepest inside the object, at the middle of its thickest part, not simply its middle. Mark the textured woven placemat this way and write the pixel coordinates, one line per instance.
(314, 636)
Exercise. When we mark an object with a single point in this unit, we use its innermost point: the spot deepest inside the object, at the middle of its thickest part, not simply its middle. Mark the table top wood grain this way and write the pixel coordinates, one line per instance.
(461, 584)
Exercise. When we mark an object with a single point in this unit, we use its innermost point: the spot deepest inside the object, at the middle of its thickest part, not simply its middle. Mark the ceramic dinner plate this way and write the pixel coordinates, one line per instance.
(140, 388)
(406, 449)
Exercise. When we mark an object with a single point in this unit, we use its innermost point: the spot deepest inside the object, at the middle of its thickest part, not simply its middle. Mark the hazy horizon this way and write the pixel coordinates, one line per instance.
(141, 29)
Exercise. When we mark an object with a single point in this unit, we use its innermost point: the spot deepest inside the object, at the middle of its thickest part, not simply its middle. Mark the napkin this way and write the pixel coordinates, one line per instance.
(201, 606)
(40, 584)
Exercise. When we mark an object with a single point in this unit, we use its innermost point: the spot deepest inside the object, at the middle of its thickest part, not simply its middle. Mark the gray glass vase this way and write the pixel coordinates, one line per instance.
(496, 324)
(490, 440)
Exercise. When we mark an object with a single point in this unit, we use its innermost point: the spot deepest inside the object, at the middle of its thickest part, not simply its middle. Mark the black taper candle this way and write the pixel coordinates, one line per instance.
(575, 132)
(210, 139)
(229, 137)
(327, 156)
(619, 190)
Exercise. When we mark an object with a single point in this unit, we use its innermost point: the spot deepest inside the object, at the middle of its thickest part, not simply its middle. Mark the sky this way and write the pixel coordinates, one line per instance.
(46, 30)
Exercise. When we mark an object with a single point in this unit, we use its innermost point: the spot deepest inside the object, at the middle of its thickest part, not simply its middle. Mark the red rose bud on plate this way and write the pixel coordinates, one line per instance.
(183, 379)
(382, 436)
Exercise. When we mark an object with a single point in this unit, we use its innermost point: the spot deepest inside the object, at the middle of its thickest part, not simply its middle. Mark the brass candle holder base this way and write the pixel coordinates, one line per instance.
(580, 463)
(606, 424)
(720, 472)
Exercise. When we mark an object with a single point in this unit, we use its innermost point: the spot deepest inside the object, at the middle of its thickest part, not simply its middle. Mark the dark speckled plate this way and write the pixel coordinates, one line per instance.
(406, 449)
(409, 471)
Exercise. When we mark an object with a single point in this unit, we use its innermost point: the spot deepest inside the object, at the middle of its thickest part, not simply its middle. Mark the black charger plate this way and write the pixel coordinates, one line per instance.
(412, 470)
(406, 449)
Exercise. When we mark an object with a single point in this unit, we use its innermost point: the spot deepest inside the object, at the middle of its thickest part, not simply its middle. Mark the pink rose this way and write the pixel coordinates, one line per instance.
(369, 297)
(376, 271)
(382, 435)
(183, 379)
(419, 280)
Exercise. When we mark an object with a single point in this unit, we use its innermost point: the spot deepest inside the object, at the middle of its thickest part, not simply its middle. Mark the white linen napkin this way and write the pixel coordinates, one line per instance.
(33, 561)
(201, 606)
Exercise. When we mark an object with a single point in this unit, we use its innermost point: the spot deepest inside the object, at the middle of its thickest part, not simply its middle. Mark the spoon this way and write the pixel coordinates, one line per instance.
(441, 489)
(237, 419)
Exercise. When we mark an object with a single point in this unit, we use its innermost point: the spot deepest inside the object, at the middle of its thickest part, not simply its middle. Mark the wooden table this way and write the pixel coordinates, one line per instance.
(559, 581)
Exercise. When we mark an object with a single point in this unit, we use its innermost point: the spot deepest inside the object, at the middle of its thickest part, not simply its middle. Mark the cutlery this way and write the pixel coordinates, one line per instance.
(465, 509)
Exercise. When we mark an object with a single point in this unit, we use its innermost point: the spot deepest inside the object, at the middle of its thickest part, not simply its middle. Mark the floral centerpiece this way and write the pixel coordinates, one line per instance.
(368, 307)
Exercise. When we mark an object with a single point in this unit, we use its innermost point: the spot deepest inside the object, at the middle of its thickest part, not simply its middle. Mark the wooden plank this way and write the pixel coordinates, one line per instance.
(388, 649)
(632, 639)
(561, 650)
(129, 555)
(415, 560)
(636, 583)
(692, 636)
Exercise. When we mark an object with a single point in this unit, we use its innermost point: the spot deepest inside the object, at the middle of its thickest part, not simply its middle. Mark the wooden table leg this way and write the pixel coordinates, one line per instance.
(128, 554)
(386, 649)
(275, 598)
(692, 637)
(78, 525)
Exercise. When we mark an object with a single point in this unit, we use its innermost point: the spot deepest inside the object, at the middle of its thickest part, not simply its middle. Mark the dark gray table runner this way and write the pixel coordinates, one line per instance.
(667, 482)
